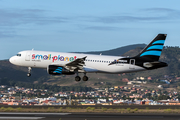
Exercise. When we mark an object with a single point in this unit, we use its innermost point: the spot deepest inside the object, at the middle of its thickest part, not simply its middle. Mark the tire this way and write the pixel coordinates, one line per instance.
(77, 78)
(29, 74)
(85, 78)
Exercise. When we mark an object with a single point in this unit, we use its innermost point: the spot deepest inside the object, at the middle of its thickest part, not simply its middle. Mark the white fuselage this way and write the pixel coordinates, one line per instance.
(93, 63)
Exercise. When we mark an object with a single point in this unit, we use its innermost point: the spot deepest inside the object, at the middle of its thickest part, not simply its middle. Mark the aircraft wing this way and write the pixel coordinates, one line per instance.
(76, 64)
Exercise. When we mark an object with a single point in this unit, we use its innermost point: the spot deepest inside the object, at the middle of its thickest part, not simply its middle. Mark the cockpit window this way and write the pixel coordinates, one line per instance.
(19, 55)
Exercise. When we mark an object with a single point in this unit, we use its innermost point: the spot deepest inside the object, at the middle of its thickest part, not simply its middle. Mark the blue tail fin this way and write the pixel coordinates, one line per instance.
(154, 49)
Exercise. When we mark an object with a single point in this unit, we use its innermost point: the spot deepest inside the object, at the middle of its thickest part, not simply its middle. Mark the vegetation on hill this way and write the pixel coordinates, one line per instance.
(117, 51)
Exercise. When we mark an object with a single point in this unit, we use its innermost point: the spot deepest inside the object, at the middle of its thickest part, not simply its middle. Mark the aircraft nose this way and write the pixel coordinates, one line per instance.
(12, 60)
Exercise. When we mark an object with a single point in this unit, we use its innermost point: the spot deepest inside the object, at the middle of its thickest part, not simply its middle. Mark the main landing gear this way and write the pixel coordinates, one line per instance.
(85, 78)
(29, 71)
(77, 78)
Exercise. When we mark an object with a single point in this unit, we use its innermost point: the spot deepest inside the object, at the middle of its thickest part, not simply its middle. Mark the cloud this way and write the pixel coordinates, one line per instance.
(15, 17)
(169, 14)
(160, 10)
(27, 16)
(143, 15)
(123, 19)
(104, 28)
(7, 34)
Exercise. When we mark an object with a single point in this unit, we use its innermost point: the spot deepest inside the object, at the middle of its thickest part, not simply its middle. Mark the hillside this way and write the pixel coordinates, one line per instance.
(11, 74)
(117, 51)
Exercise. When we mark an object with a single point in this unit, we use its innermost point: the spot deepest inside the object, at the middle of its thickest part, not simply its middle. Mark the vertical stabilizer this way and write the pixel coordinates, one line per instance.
(154, 48)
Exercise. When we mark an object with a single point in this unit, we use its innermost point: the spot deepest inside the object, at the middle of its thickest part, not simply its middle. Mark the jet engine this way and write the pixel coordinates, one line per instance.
(58, 70)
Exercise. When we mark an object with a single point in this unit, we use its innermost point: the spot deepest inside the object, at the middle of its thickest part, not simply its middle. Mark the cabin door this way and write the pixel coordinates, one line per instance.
(28, 54)
(132, 64)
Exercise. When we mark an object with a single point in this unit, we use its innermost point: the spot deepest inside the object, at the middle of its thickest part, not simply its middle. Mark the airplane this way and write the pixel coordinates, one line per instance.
(59, 63)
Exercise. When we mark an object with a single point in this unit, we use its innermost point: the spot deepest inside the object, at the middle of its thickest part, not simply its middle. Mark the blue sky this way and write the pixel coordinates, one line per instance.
(81, 25)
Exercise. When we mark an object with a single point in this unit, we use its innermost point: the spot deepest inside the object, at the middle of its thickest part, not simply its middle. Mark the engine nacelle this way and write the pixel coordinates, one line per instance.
(154, 65)
(58, 70)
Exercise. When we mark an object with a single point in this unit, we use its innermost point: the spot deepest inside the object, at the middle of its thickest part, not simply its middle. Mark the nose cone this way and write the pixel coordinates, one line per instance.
(12, 60)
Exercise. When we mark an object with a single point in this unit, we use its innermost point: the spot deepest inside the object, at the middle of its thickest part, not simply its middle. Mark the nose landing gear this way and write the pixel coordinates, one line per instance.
(29, 71)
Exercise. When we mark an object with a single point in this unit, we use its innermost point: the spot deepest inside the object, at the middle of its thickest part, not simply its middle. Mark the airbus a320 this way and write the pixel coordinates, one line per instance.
(59, 63)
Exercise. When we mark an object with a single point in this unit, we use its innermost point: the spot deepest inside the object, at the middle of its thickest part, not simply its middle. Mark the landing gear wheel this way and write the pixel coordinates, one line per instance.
(29, 74)
(85, 78)
(29, 71)
(77, 78)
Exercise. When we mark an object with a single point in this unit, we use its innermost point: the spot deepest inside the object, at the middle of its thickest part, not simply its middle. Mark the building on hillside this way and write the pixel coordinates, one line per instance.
(125, 80)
